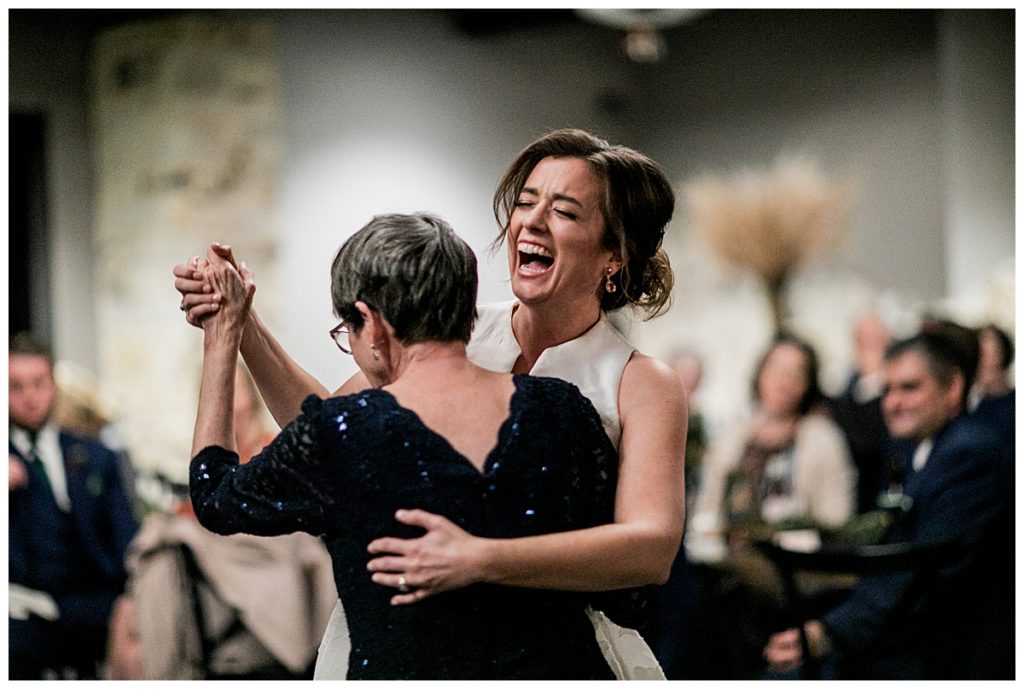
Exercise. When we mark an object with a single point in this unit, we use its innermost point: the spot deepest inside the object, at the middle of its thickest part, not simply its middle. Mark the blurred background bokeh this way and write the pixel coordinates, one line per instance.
(826, 163)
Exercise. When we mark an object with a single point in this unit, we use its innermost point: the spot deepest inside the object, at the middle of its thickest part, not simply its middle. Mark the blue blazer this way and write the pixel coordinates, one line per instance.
(920, 625)
(77, 557)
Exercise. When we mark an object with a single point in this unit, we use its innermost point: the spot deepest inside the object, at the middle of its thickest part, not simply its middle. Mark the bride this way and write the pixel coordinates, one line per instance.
(583, 222)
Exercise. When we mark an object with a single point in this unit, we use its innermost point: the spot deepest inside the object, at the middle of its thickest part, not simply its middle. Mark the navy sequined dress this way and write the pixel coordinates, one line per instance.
(346, 464)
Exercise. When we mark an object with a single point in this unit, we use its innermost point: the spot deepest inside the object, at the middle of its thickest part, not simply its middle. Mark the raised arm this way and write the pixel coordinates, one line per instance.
(273, 493)
(637, 549)
(282, 383)
(221, 336)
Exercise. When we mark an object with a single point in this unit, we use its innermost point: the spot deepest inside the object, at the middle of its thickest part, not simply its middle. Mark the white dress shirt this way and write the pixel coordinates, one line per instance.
(49, 453)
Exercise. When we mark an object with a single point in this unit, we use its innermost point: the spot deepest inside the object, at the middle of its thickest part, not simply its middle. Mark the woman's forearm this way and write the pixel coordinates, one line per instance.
(215, 418)
(282, 383)
(600, 558)
(639, 548)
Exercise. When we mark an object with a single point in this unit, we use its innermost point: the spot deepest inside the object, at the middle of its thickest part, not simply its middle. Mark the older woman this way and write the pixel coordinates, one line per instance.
(583, 221)
(437, 433)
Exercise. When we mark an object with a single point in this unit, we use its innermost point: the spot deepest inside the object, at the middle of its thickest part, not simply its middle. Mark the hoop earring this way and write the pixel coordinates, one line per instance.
(609, 286)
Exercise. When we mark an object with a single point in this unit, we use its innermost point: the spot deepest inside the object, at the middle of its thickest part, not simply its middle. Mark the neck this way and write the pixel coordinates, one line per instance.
(31, 431)
(428, 361)
(776, 416)
(537, 328)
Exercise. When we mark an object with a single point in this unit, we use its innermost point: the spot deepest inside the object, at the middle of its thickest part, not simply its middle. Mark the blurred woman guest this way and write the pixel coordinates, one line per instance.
(786, 468)
(583, 222)
(437, 433)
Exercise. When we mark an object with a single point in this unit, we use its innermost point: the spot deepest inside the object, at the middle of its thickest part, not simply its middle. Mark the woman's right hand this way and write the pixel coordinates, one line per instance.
(445, 558)
(198, 297)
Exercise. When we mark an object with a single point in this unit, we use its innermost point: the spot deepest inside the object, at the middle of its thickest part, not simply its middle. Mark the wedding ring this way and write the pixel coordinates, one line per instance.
(182, 305)
(402, 586)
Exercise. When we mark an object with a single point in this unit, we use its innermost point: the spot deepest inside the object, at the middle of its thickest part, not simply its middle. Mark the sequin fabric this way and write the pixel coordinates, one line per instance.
(346, 464)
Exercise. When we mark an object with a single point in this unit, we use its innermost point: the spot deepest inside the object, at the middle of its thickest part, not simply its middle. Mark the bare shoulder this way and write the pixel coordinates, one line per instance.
(357, 383)
(649, 383)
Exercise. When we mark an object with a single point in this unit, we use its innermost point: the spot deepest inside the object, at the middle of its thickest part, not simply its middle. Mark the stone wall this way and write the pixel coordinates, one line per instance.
(186, 120)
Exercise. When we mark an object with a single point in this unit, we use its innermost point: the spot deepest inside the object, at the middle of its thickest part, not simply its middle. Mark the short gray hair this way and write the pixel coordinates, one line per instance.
(413, 270)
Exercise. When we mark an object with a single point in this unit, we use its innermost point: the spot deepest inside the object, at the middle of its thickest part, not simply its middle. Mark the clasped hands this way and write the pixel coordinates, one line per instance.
(207, 283)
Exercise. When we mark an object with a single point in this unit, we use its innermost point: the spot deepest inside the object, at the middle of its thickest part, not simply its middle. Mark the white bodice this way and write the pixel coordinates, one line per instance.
(593, 362)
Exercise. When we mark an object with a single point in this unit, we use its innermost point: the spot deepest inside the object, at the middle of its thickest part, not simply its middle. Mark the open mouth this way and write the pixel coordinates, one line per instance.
(534, 259)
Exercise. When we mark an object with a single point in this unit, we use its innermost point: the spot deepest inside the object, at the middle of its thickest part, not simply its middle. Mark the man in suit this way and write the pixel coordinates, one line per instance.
(70, 521)
(955, 621)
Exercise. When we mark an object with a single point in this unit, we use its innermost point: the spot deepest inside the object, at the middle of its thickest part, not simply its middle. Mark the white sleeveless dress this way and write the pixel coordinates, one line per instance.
(594, 362)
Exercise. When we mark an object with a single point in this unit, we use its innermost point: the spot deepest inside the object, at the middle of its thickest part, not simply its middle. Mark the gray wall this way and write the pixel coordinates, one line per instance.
(401, 110)
(47, 68)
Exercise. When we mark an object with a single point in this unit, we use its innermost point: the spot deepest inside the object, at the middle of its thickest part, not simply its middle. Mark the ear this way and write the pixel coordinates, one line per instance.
(376, 329)
(366, 312)
(955, 391)
(614, 264)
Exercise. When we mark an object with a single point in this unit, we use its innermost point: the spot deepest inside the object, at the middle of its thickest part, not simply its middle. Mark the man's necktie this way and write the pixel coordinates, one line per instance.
(35, 465)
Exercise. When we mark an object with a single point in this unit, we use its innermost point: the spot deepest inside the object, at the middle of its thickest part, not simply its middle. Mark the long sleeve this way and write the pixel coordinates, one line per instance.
(827, 476)
(280, 490)
(957, 497)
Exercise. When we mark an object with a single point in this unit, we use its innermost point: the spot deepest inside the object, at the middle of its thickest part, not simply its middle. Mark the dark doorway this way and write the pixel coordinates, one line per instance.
(27, 224)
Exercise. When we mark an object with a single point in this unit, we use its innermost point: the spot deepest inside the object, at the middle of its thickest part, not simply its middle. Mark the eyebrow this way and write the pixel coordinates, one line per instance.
(557, 197)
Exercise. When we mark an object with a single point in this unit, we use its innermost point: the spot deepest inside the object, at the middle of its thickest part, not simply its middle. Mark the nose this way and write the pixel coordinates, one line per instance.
(536, 217)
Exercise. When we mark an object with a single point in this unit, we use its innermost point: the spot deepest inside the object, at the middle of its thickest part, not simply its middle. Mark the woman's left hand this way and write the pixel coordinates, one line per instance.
(443, 559)
(235, 289)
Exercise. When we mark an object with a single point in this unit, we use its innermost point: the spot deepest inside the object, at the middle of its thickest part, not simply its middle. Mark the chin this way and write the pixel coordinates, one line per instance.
(528, 293)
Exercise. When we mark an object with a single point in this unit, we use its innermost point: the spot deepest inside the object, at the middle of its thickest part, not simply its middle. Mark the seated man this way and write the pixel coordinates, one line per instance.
(70, 521)
(956, 622)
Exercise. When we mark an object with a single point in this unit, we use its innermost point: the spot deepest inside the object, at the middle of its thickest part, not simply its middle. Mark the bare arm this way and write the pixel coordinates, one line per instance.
(222, 334)
(637, 549)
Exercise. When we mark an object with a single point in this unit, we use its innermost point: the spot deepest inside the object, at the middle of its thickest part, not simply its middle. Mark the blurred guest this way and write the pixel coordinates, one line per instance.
(787, 467)
(70, 521)
(689, 368)
(993, 397)
(857, 410)
(204, 606)
(80, 410)
(956, 622)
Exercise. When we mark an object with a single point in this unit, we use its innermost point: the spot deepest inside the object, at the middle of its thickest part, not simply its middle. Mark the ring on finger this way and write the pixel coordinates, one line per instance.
(403, 585)
(182, 305)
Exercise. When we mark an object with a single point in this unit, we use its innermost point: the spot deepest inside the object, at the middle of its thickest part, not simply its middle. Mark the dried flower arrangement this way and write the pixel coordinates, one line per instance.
(770, 221)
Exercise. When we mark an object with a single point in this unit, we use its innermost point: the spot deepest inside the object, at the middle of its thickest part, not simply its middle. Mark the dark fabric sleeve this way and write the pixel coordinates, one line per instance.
(119, 515)
(281, 490)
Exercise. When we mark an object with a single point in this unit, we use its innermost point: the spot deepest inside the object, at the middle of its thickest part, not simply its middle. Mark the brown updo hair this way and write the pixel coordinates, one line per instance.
(636, 205)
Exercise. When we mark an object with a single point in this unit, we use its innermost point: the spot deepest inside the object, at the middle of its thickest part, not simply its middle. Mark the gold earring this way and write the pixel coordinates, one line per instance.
(609, 286)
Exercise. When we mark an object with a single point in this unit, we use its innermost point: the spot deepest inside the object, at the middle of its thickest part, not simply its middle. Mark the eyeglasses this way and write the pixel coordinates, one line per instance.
(336, 334)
